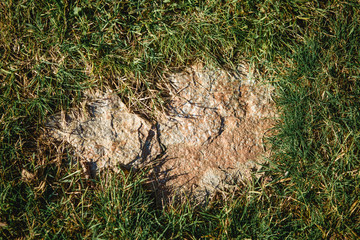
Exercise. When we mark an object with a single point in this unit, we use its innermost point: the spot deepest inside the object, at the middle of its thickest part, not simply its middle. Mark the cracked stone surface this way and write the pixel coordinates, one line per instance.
(210, 138)
(104, 132)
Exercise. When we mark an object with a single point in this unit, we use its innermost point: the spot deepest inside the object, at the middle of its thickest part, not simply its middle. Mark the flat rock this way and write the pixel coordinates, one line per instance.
(210, 138)
(104, 132)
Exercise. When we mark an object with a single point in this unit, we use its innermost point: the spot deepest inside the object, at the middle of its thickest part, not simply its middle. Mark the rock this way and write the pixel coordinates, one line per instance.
(27, 176)
(210, 138)
(215, 127)
(104, 132)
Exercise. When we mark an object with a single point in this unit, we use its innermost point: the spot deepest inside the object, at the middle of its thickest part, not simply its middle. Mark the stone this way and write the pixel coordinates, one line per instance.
(27, 176)
(209, 139)
(214, 128)
(104, 132)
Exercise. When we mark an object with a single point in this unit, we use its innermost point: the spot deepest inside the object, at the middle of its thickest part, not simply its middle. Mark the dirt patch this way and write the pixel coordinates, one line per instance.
(210, 138)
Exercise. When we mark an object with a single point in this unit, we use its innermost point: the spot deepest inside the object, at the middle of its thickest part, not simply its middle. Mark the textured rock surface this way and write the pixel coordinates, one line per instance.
(209, 139)
(104, 132)
(214, 130)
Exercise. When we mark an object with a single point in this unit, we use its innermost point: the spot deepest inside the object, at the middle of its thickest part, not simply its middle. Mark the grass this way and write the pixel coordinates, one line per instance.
(51, 51)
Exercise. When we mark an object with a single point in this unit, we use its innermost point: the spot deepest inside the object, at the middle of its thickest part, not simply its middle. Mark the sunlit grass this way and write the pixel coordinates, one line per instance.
(51, 51)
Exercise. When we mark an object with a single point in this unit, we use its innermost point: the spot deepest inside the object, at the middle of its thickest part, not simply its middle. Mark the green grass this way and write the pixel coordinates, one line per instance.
(51, 51)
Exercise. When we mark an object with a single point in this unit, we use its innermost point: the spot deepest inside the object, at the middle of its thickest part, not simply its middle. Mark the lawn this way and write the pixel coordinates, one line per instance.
(51, 51)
